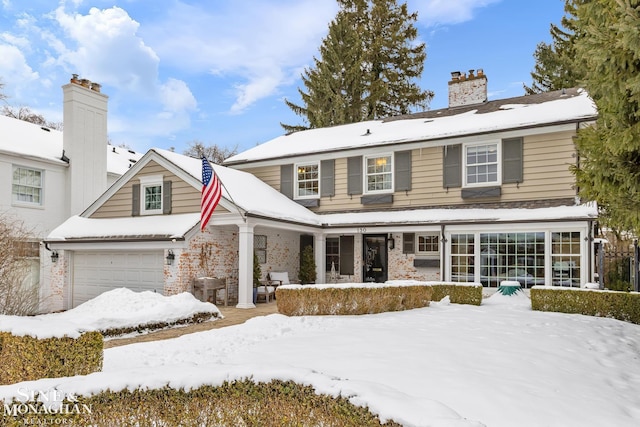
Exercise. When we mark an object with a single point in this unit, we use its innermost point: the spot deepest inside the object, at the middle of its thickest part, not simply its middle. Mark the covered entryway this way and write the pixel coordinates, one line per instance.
(98, 272)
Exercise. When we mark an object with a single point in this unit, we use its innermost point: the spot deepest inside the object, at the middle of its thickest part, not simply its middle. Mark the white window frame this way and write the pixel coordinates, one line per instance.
(365, 173)
(465, 147)
(427, 253)
(146, 182)
(14, 198)
(296, 181)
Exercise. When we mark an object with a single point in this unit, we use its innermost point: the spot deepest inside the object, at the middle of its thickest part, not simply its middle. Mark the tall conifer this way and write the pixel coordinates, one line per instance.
(609, 57)
(368, 65)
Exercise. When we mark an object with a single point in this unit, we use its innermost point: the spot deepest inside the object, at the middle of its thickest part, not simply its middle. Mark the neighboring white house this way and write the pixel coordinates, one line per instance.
(48, 175)
(481, 191)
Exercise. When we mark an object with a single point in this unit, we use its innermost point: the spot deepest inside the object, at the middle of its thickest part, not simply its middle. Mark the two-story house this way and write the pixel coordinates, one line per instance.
(480, 191)
(49, 175)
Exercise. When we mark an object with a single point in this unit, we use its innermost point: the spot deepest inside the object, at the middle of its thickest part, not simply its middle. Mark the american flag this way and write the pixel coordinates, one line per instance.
(211, 193)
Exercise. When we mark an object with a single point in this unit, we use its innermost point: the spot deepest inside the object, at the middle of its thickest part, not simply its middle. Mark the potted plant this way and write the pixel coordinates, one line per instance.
(307, 266)
(257, 275)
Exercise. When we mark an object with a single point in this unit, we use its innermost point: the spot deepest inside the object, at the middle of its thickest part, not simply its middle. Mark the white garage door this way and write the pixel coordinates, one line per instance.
(98, 272)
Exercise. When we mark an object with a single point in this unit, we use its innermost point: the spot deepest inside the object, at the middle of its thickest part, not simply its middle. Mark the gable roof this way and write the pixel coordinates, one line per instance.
(28, 140)
(245, 190)
(559, 107)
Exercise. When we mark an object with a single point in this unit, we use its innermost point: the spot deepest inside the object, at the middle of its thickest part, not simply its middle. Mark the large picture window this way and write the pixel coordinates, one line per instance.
(307, 181)
(512, 256)
(27, 186)
(481, 164)
(379, 174)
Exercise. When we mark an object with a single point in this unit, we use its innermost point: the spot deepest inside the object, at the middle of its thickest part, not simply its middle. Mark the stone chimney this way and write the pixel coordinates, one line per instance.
(84, 143)
(467, 90)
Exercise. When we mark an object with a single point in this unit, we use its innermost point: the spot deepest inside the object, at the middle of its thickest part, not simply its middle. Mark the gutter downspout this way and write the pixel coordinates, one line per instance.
(443, 257)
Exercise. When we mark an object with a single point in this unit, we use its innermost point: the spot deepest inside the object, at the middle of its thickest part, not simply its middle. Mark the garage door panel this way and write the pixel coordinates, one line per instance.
(97, 272)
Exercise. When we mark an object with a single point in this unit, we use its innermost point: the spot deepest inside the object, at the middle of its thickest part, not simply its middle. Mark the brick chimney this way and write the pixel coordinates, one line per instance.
(84, 141)
(467, 90)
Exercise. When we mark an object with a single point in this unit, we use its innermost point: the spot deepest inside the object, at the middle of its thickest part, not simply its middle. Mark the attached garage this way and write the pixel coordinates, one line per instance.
(98, 272)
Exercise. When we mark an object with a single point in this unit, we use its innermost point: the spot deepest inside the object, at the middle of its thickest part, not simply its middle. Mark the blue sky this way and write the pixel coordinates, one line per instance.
(217, 71)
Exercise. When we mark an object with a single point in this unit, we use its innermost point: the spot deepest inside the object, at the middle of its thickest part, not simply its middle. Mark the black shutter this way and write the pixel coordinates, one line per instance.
(327, 180)
(452, 166)
(166, 197)
(346, 255)
(512, 163)
(408, 243)
(403, 170)
(286, 180)
(354, 175)
(135, 200)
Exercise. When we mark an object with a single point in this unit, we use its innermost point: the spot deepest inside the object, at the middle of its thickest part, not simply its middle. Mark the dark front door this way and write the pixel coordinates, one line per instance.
(375, 258)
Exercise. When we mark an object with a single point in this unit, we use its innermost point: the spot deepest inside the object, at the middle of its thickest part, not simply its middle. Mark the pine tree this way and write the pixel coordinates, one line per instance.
(609, 54)
(554, 68)
(367, 67)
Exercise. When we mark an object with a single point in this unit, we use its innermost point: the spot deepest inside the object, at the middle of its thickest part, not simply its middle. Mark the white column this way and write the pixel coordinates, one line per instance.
(319, 249)
(245, 266)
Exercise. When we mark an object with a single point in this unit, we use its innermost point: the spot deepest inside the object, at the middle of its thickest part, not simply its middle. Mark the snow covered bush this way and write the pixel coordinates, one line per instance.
(617, 305)
(237, 403)
(347, 299)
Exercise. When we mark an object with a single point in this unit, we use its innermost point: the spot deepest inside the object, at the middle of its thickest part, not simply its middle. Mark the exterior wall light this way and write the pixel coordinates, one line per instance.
(170, 257)
(391, 241)
(54, 256)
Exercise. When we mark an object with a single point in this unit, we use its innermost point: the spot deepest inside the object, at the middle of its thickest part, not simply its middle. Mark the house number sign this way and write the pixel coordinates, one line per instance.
(362, 229)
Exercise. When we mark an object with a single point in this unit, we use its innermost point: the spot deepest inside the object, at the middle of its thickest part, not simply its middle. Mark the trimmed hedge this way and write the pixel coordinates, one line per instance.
(617, 305)
(237, 403)
(151, 327)
(310, 300)
(458, 294)
(25, 358)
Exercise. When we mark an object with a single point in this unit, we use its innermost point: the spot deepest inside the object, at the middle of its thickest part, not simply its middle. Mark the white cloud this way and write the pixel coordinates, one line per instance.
(257, 43)
(108, 49)
(14, 69)
(447, 12)
(176, 96)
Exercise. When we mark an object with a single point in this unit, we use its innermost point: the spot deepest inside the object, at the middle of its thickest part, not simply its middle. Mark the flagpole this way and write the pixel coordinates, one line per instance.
(232, 201)
(228, 192)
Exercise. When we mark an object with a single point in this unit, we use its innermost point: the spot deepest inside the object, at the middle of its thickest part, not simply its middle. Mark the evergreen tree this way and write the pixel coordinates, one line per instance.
(367, 68)
(554, 68)
(609, 54)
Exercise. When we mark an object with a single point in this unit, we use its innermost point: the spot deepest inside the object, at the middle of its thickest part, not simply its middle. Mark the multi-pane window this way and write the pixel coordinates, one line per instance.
(512, 256)
(428, 244)
(379, 174)
(27, 186)
(307, 179)
(260, 247)
(462, 257)
(565, 258)
(481, 164)
(333, 253)
(152, 197)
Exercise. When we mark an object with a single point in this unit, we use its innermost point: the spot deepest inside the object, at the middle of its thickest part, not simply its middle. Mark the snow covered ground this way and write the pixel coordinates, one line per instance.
(448, 365)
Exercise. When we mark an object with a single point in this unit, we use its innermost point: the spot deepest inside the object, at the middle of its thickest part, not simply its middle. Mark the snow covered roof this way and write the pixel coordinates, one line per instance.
(246, 191)
(24, 139)
(146, 227)
(571, 105)
(462, 215)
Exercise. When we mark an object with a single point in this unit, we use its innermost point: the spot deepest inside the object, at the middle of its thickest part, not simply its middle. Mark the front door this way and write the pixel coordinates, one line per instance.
(375, 258)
